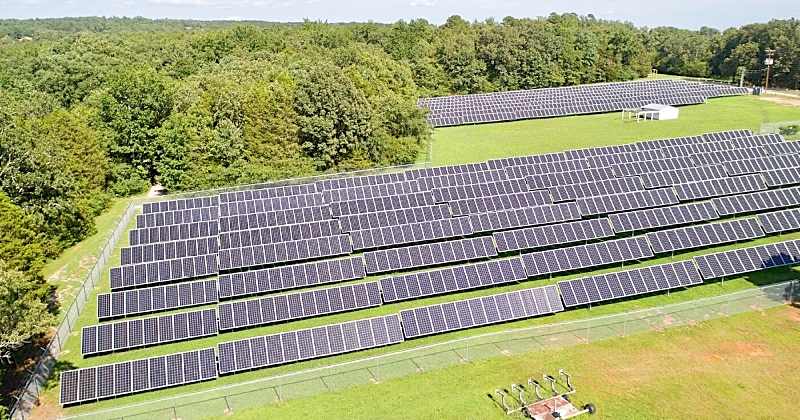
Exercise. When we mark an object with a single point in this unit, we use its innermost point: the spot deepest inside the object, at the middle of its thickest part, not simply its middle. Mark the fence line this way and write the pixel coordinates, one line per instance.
(29, 393)
(375, 369)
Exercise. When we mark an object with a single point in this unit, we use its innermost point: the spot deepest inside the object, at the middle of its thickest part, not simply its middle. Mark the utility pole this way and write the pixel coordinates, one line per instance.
(768, 61)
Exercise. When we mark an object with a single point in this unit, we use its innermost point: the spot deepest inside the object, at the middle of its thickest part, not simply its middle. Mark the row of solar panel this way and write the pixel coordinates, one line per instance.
(416, 232)
(273, 218)
(621, 284)
(168, 250)
(263, 205)
(136, 275)
(451, 279)
(550, 235)
(363, 221)
(526, 216)
(176, 217)
(291, 346)
(460, 192)
(289, 277)
(268, 192)
(745, 260)
(704, 235)
(275, 234)
(181, 204)
(170, 233)
(149, 331)
(589, 255)
(280, 308)
(429, 254)
(370, 191)
(123, 378)
(780, 221)
(281, 252)
(155, 299)
(451, 316)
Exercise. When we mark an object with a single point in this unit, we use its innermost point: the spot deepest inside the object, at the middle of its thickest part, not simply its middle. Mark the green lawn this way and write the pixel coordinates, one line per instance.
(485, 141)
(744, 366)
(475, 143)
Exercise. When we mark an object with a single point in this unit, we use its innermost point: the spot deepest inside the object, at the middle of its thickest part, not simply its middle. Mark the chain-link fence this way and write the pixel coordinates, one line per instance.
(790, 130)
(218, 401)
(29, 394)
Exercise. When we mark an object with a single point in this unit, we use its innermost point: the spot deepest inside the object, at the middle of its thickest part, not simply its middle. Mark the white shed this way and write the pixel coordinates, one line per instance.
(659, 112)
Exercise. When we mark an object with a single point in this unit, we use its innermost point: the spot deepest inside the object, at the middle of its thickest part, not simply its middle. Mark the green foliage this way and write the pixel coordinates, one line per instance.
(23, 309)
(19, 242)
(333, 116)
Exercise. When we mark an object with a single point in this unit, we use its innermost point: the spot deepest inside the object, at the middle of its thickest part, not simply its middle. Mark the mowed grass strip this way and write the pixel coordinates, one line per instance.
(475, 143)
(743, 366)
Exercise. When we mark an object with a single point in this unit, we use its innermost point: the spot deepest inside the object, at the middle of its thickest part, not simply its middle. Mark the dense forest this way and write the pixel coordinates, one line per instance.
(97, 108)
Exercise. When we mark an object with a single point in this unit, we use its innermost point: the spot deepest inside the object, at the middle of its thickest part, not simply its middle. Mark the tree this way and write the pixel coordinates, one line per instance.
(23, 312)
(333, 116)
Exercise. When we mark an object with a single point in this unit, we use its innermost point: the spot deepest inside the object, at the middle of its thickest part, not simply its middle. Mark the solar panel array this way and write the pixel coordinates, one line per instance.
(460, 192)
(605, 204)
(761, 164)
(263, 205)
(168, 250)
(780, 221)
(571, 192)
(610, 159)
(583, 256)
(414, 232)
(292, 346)
(565, 178)
(526, 216)
(783, 147)
(663, 216)
(273, 218)
(162, 271)
(704, 235)
(124, 378)
(155, 299)
(269, 192)
(275, 234)
(722, 156)
(370, 191)
(628, 283)
(176, 217)
(372, 205)
(281, 252)
(671, 142)
(452, 279)
(640, 167)
(543, 236)
(103, 338)
(747, 203)
(745, 260)
(718, 187)
(436, 253)
(280, 308)
(682, 176)
(363, 221)
(570, 100)
(290, 277)
(181, 204)
(492, 203)
(169, 233)
(781, 177)
(452, 316)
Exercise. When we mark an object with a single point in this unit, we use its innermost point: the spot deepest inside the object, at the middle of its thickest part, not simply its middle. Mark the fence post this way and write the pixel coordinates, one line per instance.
(625, 326)
(587, 329)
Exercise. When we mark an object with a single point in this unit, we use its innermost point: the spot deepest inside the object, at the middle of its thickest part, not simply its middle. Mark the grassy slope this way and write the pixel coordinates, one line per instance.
(487, 141)
(737, 367)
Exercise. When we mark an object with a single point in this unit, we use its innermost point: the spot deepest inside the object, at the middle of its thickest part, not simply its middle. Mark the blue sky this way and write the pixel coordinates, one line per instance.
(680, 13)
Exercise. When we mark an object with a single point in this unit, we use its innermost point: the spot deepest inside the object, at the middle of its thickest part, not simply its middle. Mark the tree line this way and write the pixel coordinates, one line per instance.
(96, 108)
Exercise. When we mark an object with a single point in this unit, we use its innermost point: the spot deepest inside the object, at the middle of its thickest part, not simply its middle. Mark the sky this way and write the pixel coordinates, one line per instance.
(688, 14)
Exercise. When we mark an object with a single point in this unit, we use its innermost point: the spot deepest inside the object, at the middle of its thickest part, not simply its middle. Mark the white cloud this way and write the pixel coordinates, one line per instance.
(188, 2)
(235, 17)
(426, 3)
(609, 12)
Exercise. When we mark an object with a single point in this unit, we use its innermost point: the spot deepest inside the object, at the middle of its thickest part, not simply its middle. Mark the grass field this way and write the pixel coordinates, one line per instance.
(484, 142)
(743, 366)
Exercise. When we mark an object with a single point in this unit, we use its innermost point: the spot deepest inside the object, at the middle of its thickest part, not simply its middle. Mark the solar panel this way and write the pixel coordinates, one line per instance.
(764, 200)
(429, 254)
(722, 156)
(527, 216)
(417, 173)
(640, 167)
(719, 187)
(726, 135)
(275, 234)
(428, 183)
(525, 160)
(767, 163)
(493, 203)
(181, 204)
(122, 335)
(360, 181)
(397, 217)
(781, 148)
(118, 379)
(414, 232)
(290, 277)
(600, 151)
(665, 143)
(268, 192)
(286, 347)
(694, 148)
(282, 308)
(757, 140)
(682, 176)
(628, 283)
(376, 204)
(625, 157)
(605, 204)
(452, 279)
(571, 192)
(704, 235)
(572, 177)
(663, 216)
(584, 256)
(155, 299)
(745, 260)
(780, 221)
(168, 250)
(281, 252)
(476, 312)
(263, 205)
(459, 192)
(177, 217)
(370, 191)
(274, 218)
(170, 233)
(563, 233)
(781, 177)
(147, 274)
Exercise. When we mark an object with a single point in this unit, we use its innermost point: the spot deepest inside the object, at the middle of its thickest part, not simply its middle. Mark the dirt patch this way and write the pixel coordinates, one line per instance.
(794, 316)
(781, 101)
(742, 349)
(46, 409)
